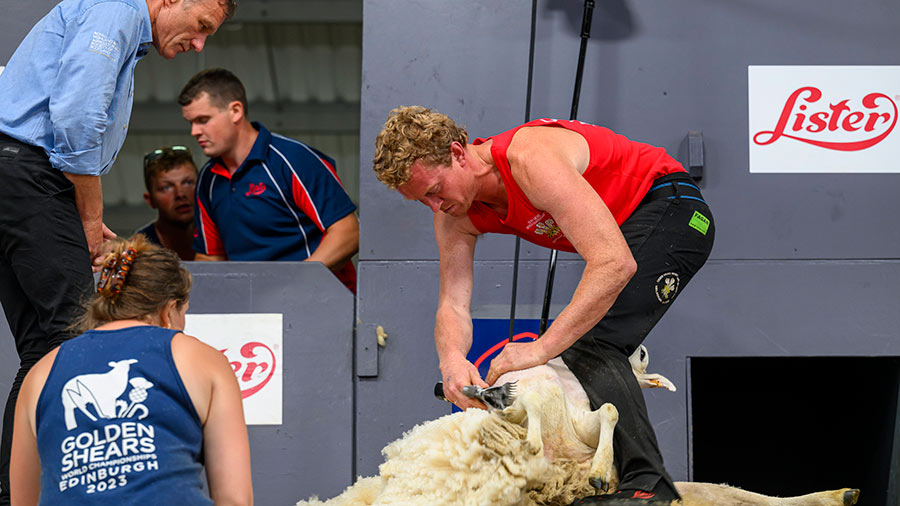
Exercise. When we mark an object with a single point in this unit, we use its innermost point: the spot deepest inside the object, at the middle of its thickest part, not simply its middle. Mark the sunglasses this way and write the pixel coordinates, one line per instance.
(156, 154)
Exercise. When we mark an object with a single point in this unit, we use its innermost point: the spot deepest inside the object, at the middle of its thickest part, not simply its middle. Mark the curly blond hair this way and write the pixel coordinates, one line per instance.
(414, 133)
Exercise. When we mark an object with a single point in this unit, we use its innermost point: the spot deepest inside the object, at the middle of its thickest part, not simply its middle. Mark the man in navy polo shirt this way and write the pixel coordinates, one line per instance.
(263, 196)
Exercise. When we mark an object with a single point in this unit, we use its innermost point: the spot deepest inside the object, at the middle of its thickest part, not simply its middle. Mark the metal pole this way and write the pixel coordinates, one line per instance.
(576, 94)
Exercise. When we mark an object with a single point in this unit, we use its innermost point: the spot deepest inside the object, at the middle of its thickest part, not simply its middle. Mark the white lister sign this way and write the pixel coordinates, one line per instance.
(817, 119)
(252, 342)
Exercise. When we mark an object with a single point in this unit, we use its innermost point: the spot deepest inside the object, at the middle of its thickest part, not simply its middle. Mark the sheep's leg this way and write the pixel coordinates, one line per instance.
(655, 381)
(527, 409)
(533, 404)
(709, 493)
(596, 429)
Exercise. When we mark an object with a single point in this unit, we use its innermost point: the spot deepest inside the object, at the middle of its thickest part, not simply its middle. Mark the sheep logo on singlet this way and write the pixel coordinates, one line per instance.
(98, 395)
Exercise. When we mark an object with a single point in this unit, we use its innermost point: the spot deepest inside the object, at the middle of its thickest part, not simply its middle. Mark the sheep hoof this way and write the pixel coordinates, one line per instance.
(851, 496)
(602, 485)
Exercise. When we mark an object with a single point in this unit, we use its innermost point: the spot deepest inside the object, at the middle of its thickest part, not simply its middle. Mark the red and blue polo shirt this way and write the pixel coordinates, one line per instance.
(276, 206)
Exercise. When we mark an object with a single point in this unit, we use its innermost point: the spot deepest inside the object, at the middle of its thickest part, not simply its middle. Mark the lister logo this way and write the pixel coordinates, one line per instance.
(253, 369)
(805, 115)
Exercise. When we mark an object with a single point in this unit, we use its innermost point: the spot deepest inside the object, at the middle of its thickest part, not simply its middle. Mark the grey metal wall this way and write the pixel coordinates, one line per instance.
(658, 69)
(803, 264)
(18, 18)
(310, 453)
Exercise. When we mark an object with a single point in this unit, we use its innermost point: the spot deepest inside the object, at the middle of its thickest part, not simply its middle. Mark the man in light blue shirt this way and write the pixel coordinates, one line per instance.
(65, 102)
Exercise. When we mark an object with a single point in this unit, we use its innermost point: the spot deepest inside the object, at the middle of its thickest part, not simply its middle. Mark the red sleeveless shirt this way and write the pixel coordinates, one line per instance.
(620, 171)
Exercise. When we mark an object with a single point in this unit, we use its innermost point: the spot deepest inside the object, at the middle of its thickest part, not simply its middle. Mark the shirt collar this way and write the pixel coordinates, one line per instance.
(260, 149)
(258, 152)
(146, 29)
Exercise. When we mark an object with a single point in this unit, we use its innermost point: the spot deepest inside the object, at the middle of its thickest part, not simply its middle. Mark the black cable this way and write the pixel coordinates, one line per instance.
(515, 280)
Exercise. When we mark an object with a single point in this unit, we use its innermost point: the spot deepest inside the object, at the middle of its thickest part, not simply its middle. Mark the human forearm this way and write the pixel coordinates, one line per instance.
(89, 202)
(598, 289)
(88, 196)
(452, 334)
(340, 243)
(595, 294)
(453, 338)
(200, 257)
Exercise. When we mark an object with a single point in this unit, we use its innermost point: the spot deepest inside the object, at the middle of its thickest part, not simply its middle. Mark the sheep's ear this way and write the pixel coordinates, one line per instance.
(112, 364)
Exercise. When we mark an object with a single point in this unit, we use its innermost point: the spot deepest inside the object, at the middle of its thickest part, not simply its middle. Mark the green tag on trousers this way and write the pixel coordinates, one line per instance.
(699, 222)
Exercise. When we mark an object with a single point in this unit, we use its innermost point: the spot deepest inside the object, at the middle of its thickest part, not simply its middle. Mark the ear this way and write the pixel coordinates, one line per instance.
(166, 4)
(458, 152)
(168, 311)
(164, 314)
(149, 201)
(236, 111)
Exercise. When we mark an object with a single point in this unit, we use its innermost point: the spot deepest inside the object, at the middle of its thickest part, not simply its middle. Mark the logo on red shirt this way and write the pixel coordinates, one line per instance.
(803, 117)
(548, 228)
(255, 189)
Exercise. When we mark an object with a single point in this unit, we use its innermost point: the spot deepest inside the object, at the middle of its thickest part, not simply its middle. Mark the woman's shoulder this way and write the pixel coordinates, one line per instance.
(189, 349)
(42, 368)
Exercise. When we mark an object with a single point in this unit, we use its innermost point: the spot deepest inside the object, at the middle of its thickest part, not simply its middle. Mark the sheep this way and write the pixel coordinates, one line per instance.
(101, 390)
(548, 448)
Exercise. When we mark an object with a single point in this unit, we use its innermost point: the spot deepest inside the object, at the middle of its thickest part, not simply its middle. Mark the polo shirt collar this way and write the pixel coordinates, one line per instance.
(260, 149)
(146, 29)
(258, 152)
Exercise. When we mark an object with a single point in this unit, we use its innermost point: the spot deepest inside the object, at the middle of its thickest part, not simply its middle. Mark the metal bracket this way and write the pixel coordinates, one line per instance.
(366, 350)
(695, 158)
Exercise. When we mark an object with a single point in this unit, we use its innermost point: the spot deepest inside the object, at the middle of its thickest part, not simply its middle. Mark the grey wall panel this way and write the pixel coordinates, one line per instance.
(18, 18)
(407, 367)
(311, 452)
(467, 59)
(9, 360)
(827, 308)
(654, 71)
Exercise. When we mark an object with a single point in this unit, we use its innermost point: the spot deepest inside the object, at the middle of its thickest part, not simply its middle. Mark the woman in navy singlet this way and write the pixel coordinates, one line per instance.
(132, 411)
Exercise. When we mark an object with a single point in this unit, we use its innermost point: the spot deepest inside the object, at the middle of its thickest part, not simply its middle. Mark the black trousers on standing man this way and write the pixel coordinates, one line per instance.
(670, 235)
(45, 266)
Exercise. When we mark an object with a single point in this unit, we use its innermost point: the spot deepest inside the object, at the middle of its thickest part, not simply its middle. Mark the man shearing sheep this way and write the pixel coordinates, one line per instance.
(629, 209)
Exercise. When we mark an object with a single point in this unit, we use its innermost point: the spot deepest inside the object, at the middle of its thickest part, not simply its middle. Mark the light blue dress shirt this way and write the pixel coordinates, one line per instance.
(69, 86)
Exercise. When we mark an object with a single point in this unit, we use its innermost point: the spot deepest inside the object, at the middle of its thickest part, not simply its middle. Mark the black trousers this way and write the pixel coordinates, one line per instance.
(669, 242)
(45, 267)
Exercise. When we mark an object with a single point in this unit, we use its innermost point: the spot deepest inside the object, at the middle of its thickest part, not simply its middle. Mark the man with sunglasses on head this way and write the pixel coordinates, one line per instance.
(170, 176)
(67, 95)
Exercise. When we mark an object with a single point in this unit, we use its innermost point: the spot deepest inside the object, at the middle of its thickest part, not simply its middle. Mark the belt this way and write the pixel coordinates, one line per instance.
(5, 139)
(672, 186)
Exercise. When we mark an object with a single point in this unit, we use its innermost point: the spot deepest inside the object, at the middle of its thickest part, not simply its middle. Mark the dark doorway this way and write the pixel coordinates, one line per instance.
(792, 425)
